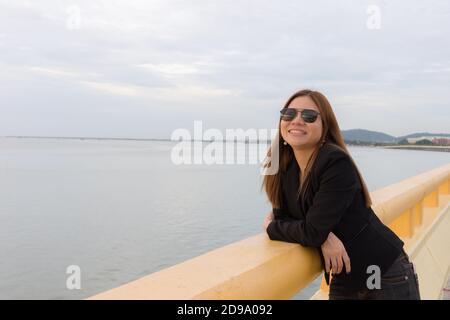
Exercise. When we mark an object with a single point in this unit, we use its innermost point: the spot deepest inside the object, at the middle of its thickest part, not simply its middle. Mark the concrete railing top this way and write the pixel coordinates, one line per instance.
(389, 202)
(258, 268)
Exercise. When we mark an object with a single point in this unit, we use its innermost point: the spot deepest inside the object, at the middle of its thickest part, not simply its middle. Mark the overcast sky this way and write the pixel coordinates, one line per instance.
(141, 69)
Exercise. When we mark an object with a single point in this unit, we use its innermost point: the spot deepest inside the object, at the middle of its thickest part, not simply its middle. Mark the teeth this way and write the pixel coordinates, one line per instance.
(297, 131)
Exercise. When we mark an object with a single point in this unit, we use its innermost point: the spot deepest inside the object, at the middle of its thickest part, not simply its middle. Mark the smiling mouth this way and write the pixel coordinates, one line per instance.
(297, 132)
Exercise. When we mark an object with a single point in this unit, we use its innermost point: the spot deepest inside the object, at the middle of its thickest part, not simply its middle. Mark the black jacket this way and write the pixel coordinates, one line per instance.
(334, 201)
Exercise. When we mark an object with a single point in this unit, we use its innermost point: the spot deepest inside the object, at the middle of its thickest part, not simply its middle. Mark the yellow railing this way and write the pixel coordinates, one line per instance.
(258, 268)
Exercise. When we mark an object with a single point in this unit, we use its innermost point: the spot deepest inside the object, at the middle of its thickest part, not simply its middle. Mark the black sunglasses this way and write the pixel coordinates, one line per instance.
(308, 115)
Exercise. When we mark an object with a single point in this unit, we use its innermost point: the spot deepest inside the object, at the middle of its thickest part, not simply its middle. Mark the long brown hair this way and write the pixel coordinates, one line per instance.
(330, 134)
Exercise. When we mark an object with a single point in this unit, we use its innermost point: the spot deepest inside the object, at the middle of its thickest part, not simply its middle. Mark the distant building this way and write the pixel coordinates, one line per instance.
(435, 140)
(442, 141)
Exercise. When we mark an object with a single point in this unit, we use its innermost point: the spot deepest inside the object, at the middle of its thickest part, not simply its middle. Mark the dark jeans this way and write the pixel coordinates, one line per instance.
(399, 282)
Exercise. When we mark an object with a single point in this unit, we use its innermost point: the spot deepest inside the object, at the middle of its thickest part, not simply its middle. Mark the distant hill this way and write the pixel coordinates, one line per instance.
(375, 136)
(367, 136)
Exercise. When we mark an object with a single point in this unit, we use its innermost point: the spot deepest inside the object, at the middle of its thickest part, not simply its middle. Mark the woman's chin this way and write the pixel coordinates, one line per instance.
(301, 144)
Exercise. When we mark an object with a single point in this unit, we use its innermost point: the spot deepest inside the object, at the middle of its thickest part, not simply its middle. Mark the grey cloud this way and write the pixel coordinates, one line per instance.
(259, 51)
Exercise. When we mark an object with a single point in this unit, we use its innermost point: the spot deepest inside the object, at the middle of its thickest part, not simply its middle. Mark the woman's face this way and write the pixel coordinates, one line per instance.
(298, 133)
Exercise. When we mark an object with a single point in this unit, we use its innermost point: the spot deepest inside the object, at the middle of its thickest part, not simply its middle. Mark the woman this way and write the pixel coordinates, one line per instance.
(320, 200)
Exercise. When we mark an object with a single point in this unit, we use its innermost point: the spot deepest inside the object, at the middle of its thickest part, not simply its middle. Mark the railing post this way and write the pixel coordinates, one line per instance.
(323, 285)
(403, 226)
(444, 188)
(431, 200)
(417, 213)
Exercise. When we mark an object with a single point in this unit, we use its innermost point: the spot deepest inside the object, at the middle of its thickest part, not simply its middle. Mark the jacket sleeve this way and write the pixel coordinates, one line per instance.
(337, 187)
(281, 214)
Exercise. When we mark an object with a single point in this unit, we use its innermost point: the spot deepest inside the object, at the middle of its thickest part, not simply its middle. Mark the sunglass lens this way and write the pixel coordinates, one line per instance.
(309, 115)
(287, 114)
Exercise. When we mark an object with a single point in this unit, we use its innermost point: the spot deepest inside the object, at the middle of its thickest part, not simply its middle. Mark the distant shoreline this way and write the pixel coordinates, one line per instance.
(424, 148)
(85, 138)
(393, 146)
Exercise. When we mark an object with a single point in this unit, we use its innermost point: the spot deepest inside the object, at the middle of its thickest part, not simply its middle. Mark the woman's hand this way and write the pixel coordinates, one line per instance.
(267, 220)
(335, 255)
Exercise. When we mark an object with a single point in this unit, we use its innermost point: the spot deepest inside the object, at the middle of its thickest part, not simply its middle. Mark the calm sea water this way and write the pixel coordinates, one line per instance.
(121, 209)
